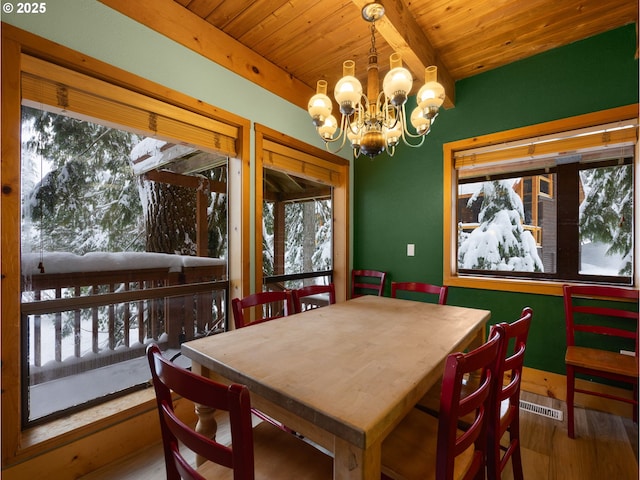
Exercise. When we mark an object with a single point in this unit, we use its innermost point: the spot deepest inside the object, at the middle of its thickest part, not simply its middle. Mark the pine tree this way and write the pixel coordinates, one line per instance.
(307, 237)
(606, 212)
(89, 199)
(500, 242)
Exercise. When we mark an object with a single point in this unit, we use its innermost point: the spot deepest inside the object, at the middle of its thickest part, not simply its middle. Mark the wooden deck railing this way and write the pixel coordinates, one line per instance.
(123, 310)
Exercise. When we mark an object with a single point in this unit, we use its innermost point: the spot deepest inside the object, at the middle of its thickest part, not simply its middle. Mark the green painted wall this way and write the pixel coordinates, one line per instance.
(398, 200)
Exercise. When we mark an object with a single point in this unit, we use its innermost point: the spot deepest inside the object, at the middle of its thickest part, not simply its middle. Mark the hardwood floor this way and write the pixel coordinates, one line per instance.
(605, 448)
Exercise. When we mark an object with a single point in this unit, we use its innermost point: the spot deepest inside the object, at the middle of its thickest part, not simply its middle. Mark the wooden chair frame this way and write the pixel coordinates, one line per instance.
(596, 362)
(505, 403)
(441, 291)
(311, 290)
(260, 451)
(238, 306)
(234, 399)
(450, 444)
(358, 283)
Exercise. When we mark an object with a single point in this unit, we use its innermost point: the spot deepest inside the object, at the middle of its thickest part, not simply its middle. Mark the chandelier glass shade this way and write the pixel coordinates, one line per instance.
(377, 121)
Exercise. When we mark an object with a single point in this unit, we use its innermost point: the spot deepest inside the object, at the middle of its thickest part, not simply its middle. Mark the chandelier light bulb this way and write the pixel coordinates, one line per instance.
(348, 90)
(354, 134)
(328, 128)
(320, 105)
(431, 95)
(419, 121)
(393, 135)
(397, 82)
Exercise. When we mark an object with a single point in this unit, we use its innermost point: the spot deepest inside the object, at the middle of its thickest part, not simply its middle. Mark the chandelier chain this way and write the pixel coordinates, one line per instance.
(373, 50)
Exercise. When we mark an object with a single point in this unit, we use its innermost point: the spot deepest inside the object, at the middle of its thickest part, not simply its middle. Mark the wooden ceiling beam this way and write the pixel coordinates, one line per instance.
(402, 33)
(184, 27)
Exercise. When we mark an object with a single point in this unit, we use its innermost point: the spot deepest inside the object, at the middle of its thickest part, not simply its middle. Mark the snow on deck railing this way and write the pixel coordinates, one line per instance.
(66, 262)
(110, 305)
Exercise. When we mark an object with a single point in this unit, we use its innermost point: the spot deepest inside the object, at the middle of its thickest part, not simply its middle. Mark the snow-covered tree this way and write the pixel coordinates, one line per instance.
(500, 242)
(267, 239)
(308, 238)
(88, 199)
(606, 213)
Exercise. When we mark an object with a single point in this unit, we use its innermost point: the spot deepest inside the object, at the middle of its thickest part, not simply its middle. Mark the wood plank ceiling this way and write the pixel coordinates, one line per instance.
(310, 39)
(287, 45)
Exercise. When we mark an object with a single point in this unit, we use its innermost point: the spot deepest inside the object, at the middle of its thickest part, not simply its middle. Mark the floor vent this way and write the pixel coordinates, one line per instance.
(541, 410)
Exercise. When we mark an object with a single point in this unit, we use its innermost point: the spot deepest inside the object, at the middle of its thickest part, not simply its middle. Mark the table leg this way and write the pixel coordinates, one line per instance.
(351, 462)
(207, 424)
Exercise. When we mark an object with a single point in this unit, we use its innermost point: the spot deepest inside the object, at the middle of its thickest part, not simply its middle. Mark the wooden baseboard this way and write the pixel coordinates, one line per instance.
(554, 385)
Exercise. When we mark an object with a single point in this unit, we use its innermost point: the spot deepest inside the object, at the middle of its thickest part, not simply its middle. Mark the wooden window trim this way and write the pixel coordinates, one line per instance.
(451, 152)
(35, 449)
(277, 150)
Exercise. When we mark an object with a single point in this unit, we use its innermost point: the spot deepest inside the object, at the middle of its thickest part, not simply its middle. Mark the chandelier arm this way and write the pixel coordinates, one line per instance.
(405, 133)
(391, 150)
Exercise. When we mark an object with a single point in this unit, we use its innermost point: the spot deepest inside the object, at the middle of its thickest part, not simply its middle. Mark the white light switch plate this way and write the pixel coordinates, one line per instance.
(411, 249)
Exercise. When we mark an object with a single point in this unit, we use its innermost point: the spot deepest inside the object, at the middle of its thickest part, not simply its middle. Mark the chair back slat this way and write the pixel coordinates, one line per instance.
(597, 319)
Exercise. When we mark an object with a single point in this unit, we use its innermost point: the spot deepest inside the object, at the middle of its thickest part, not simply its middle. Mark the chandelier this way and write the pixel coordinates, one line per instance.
(376, 122)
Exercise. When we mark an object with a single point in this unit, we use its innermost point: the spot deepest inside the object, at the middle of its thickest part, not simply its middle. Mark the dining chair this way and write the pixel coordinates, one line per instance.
(423, 446)
(589, 322)
(505, 402)
(266, 305)
(367, 282)
(440, 291)
(260, 452)
(313, 296)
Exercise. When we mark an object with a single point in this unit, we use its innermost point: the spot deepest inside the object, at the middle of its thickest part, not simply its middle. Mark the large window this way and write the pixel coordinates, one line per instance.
(123, 238)
(552, 208)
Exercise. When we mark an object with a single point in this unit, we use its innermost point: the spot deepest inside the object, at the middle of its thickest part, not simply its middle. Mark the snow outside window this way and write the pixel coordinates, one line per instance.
(297, 229)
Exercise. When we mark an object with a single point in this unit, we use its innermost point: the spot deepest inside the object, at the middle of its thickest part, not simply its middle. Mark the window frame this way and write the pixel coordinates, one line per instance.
(450, 192)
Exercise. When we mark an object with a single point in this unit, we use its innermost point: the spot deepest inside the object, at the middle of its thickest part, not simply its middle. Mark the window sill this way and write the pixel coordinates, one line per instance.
(538, 287)
(56, 433)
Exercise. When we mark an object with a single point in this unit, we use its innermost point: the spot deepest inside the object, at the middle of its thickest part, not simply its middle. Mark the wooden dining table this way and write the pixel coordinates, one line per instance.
(344, 375)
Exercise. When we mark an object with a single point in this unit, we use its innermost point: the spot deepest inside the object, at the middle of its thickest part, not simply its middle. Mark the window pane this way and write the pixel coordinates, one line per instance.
(606, 221)
(101, 244)
(500, 226)
(297, 228)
